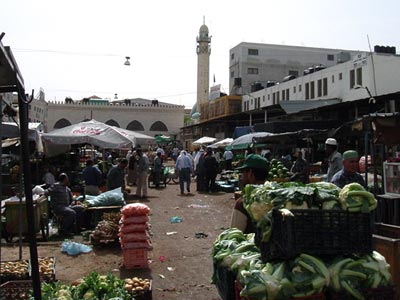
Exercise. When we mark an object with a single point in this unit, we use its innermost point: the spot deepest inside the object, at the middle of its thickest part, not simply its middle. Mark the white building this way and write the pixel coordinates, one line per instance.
(252, 66)
(366, 75)
(149, 117)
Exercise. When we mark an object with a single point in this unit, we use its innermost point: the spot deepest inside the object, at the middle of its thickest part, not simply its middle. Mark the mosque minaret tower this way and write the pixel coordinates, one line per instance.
(203, 66)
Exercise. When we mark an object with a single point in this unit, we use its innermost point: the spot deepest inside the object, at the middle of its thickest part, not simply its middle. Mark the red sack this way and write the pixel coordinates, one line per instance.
(135, 209)
(133, 227)
(135, 220)
(134, 236)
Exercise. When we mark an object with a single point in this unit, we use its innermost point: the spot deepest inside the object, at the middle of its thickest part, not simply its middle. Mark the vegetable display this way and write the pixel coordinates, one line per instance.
(277, 170)
(95, 286)
(14, 269)
(355, 198)
(260, 200)
(303, 276)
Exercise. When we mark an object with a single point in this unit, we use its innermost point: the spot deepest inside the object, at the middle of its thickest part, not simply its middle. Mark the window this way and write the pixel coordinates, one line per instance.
(319, 88)
(352, 78)
(312, 90)
(287, 94)
(331, 57)
(251, 100)
(307, 91)
(340, 76)
(232, 56)
(299, 88)
(253, 52)
(264, 98)
(333, 78)
(359, 76)
(277, 97)
(273, 98)
(283, 95)
(253, 71)
(232, 74)
(269, 97)
(294, 90)
(294, 73)
(325, 86)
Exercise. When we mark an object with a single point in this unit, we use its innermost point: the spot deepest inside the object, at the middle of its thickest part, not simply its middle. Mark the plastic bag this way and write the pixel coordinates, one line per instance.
(112, 197)
(38, 190)
(73, 248)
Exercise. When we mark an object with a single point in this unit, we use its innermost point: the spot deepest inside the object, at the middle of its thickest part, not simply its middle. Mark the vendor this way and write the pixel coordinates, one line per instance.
(300, 169)
(349, 172)
(334, 158)
(62, 204)
(254, 171)
(92, 177)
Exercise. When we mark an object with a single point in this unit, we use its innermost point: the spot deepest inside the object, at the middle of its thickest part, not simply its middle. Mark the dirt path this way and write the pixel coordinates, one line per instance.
(187, 269)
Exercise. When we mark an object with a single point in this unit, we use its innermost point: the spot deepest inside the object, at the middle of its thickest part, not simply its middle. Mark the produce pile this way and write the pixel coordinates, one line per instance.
(305, 275)
(277, 170)
(95, 286)
(260, 200)
(107, 229)
(14, 270)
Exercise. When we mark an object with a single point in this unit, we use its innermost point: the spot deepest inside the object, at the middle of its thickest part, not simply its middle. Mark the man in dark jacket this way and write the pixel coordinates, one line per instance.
(211, 170)
(61, 202)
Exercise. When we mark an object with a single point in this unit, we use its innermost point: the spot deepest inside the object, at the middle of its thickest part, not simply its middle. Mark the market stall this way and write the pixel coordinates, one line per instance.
(312, 241)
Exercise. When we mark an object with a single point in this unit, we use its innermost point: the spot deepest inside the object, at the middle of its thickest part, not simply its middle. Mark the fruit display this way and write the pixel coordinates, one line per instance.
(277, 170)
(137, 286)
(14, 270)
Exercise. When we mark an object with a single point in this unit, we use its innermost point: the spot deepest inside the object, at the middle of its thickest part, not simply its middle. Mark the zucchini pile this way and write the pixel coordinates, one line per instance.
(303, 276)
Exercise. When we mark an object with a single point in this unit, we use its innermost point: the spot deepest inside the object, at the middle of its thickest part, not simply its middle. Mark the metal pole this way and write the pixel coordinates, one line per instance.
(23, 120)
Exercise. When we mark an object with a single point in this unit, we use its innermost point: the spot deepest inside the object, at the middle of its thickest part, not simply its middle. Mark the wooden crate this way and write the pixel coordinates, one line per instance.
(386, 241)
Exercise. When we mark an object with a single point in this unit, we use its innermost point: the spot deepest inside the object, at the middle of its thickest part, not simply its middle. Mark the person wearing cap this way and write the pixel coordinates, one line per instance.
(254, 171)
(349, 172)
(334, 158)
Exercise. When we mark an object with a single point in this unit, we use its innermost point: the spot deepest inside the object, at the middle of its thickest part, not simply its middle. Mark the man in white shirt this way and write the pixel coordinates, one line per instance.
(228, 156)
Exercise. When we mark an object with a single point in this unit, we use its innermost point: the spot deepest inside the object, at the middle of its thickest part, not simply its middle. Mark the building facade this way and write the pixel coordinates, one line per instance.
(253, 66)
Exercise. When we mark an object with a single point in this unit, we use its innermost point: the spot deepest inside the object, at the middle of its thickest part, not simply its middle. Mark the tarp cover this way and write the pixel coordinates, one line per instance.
(98, 134)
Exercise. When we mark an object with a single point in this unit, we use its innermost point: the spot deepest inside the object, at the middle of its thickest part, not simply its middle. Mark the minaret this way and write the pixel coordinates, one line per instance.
(203, 65)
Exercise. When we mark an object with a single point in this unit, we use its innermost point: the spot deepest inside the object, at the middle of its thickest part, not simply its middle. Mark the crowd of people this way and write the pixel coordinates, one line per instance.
(202, 166)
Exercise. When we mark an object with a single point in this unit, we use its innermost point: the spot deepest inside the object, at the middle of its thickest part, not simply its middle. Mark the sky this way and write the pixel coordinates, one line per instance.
(77, 48)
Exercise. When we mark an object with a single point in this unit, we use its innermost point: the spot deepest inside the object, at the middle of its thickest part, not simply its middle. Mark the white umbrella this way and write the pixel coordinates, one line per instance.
(244, 141)
(222, 143)
(204, 140)
(98, 134)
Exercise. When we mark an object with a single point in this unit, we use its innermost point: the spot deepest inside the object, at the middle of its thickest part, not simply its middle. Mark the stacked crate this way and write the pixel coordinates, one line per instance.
(134, 235)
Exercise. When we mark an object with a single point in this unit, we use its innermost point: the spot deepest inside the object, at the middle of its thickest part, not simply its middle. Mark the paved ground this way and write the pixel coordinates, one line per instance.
(186, 246)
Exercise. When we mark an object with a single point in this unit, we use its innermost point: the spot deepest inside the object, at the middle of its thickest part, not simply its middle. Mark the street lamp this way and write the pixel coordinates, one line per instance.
(127, 62)
(371, 99)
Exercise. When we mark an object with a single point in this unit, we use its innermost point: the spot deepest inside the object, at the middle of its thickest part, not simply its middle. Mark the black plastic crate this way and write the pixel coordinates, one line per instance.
(380, 293)
(19, 289)
(225, 282)
(317, 232)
